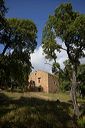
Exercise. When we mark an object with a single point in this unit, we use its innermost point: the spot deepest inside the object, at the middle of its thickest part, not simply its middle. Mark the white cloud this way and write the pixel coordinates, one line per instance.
(39, 62)
(82, 60)
(61, 57)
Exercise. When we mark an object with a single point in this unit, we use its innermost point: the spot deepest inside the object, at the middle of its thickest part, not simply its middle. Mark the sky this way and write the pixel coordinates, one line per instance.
(38, 11)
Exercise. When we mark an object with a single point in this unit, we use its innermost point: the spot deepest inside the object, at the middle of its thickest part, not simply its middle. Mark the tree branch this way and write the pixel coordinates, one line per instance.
(63, 49)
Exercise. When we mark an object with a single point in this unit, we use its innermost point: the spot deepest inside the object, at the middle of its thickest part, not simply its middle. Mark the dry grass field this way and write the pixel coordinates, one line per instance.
(37, 110)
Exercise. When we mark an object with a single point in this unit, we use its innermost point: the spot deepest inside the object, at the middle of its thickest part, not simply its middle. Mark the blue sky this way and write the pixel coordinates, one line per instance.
(38, 10)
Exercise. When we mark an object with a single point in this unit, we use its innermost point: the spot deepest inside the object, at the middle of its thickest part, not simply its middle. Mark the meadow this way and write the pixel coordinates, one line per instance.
(38, 110)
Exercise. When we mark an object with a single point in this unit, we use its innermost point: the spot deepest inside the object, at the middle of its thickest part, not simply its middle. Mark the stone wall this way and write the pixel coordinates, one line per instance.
(47, 81)
(40, 78)
(52, 83)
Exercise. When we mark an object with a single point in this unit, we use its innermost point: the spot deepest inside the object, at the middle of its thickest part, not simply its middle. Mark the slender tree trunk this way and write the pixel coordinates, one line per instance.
(73, 94)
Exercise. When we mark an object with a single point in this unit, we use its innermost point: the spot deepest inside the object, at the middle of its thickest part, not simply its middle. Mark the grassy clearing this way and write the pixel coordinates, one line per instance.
(46, 96)
(35, 110)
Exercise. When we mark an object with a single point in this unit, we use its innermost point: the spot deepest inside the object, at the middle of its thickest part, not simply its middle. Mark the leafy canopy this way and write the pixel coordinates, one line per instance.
(21, 35)
(19, 40)
(67, 25)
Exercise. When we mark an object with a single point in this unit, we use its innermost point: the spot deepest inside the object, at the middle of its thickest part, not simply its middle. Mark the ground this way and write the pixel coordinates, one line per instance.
(36, 110)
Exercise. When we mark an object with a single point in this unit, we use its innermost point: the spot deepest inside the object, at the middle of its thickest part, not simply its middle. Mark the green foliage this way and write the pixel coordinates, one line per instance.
(18, 37)
(66, 76)
(68, 70)
(21, 40)
(67, 25)
(65, 85)
(81, 122)
(12, 72)
(81, 79)
(81, 73)
(3, 9)
(23, 34)
(75, 39)
(3, 21)
(49, 44)
(55, 68)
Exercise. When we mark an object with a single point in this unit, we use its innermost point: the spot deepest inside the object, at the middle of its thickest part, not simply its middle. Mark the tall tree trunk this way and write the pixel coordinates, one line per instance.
(73, 94)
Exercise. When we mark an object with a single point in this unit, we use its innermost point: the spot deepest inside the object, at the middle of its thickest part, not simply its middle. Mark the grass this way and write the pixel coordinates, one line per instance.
(46, 96)
(35, 110)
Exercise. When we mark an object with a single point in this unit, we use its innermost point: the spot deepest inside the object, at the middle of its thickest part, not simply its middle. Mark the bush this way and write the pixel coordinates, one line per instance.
(81, 122)
(65, 86)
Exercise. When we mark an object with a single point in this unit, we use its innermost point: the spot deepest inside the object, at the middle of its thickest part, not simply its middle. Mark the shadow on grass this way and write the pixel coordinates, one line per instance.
(33, 113)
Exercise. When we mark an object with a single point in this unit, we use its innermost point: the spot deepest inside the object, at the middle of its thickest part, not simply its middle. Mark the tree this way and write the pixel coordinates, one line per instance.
(56, 68)
(3, 22)
(24, 41)
(81, 79)
(67, 25)
(68, 70)
(80, 76)
(18, 37)
(3, 9)
(21, 41)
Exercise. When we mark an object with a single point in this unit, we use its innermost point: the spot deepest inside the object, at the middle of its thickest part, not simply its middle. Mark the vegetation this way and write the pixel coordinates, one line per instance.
(36, 110)
(18, 37)
(67, 25)
(41, 110)
(65, 77)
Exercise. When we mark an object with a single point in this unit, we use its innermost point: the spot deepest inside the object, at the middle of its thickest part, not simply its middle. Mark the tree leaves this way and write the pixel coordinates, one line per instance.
(69, 26)
(18, 35)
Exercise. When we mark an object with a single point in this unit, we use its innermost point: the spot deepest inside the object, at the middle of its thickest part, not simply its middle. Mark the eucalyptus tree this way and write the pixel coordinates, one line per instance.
(69, 26)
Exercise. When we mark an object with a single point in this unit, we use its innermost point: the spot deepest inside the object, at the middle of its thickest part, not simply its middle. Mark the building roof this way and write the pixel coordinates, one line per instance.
(43, 71)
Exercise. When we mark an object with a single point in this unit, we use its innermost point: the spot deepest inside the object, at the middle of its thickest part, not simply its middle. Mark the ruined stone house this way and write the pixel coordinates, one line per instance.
(47, 81)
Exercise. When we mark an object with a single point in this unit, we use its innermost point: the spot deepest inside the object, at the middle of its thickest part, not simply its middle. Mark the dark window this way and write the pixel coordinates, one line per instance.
(55, 83)
(39, 79)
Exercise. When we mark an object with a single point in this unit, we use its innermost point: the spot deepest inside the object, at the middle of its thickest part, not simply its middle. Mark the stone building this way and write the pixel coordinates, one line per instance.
(47, 81)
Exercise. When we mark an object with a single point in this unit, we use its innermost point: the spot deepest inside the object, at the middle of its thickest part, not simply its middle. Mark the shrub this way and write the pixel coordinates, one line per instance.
(81, 122)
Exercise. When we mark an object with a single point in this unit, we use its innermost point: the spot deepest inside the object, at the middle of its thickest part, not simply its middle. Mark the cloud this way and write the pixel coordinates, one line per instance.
(61, 57)
(39, 62)
(82, 60)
